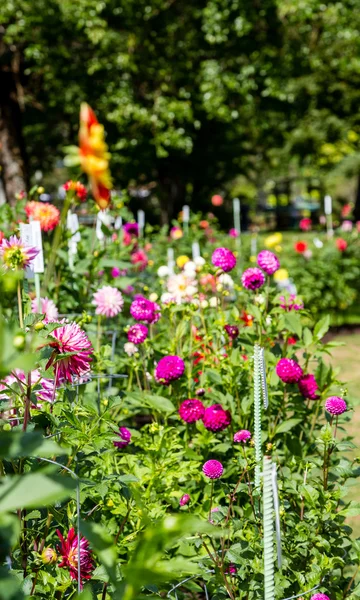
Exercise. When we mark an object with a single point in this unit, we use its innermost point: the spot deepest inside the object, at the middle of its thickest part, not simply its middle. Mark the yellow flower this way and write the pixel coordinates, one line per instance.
(281, 275)
(253, 259)
(278, 248)
(273, 240)
(182, 260)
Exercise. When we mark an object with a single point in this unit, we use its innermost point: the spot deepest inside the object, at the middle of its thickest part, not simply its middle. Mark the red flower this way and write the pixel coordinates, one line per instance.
(305, 224)
(247, 319)
(217, 200)
(341, 244)
(300, 247)
(70, 555)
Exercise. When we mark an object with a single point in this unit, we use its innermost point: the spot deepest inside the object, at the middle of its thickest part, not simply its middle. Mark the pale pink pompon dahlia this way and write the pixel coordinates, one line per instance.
(289, 370)
(253, 278)
(168, 369)
(15, 254)
(213, 469)
(335, 405)
(70, 338)
(242, 436)
(224, 259)
(268, 262)
(108, 301)
(137, 333)
(216, 418)
(191, 410)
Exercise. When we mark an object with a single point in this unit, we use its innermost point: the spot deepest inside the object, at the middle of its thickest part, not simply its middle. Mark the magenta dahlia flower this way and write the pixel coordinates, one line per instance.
(68, 550)
(168, 369)
(213, 469)
(335, 405)
(253, 278)
(268, 262)
(308, 387)
(131, 229)
(232, 331)
(216, 418)
(137, 333)
(185, 499)
(233, 233)
(224, 259)
(108, 301)
(191, 410)
(319, 597)
(242, 436)
(125, 438)
(70, 338)
(47, 308)
(291, 303)
(15, 254)
(289, 370)
(143, 309)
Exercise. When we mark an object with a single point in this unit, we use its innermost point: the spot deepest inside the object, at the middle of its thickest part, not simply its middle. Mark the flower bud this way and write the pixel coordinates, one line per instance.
(49, 556)
(19, 341)
(7, 427)
(39, 326)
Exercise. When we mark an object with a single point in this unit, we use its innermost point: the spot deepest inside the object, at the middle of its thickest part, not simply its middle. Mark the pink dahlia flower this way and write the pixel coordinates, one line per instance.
(185, 499)
(137, 333)
(191, 410)
(115, 272)
(231, 569)
(108, 301)
(70, 338)
(143, 309)
(168, 369)
(242, 436)
(319, 597)
(213, 469)
(291, 303)
(131, 229)
(268, 262)
(68, 550)
(335, 405)
(232, 331)
(308, 387)
(289, 370)
(125, 437)
(233, 233)
(253, 278)
(216, 418)
(139, 258)
(15, 254)
(224, 259)
(47, 308)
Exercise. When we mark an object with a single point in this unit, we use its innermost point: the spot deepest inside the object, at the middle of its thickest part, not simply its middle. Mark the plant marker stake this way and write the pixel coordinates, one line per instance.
(103, 217)
(328, 213)
(277, 514)
(268, 526)
(78, 508)
(257, 415)
(237, 223)
(186, 218)
(38, 263)
(263, 378)
(195, 250)
(141, 222)
(118, 223)
(170, 260)
(27, 238)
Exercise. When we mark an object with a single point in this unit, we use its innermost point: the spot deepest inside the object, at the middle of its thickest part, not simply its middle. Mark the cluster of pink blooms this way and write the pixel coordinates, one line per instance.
(224, 259)
(142, 309)
(213, 469)
(70, 555)
(137, 333)
(17, 378)
(47, 308)
(268, 262)
(169, 368)
(214, 417)
(320, 597)
(70, 338)
(291, 303)
(108, 301)
(253, 278)
(125, 438)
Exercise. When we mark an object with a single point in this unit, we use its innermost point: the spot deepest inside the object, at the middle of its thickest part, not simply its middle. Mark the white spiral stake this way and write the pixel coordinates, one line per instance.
(257, 414)
(277, 514)
(141, 222)
(186, 218)
(328, 213)
(263, 378)
(268, 524)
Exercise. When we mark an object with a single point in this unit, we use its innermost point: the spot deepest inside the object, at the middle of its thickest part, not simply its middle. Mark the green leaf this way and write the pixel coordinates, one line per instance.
(103, 545)
(309, 493)
(287, 425)
(34, 490)
(293, 323)
(16, 443)
(159, 403)
(322, 327)
(307, 337)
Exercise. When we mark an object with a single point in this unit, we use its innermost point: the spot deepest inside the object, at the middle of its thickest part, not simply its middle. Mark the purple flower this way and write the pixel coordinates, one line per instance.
(319, 597)
(242, 436)
(289, 370)
(131, 229)
(169, 368)
(115, 272)
(125, 437)
(191, 410)
(224, 259)
(308, 387)
(213, 469)
(232, 331)
(216, 418)
(137, 333)
(335, 405)
(253, 278)
(185, 499)
(268, 262)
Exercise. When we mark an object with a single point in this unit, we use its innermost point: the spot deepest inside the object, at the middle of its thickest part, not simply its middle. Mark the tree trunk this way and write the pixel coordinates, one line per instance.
(12, 153)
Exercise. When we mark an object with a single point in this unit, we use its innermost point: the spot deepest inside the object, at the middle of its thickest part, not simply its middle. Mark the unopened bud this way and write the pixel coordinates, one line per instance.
(49, 556)
(39, 326)
(19, 341)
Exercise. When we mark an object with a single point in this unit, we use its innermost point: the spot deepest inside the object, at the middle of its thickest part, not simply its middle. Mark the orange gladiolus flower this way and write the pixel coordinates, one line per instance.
(94, 155)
